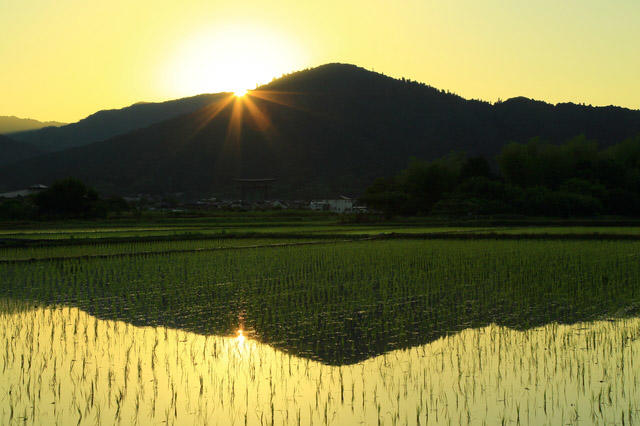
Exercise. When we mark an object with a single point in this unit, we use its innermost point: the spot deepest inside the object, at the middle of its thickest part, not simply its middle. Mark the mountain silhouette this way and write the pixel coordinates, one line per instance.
(12, 151)
(321, 132)
(108, 123)
(11, 124)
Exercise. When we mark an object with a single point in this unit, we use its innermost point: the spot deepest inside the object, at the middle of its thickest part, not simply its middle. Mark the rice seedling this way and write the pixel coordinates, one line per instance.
(391, 331)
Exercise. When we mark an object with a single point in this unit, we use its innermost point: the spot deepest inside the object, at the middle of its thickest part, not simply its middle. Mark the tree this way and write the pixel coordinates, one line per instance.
(538, 178)
(17, 209)
(425, 183)
(69, 198)
(475, 167)
(386, 196)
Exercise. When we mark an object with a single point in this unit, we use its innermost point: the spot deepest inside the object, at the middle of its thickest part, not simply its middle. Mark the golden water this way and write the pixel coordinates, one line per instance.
(63, 366)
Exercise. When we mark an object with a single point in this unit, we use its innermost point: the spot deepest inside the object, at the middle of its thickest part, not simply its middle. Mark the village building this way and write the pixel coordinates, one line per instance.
(33, 189)
(342, 204)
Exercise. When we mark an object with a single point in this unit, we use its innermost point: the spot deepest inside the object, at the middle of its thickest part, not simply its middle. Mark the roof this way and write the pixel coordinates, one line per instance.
(15, 194)
(24, 192)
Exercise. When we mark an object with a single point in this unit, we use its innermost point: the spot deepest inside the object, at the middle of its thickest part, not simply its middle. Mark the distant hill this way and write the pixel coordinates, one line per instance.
(321, 132)
(12, 151)
(11, 124)
(108, 123)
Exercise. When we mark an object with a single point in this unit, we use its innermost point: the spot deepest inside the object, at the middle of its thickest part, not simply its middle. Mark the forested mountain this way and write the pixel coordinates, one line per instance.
(12, 151)
(321, 132)
(11, 124)
(108, 123)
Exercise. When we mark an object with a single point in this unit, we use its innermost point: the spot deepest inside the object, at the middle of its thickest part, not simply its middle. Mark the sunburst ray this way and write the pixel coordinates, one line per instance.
(208, 113)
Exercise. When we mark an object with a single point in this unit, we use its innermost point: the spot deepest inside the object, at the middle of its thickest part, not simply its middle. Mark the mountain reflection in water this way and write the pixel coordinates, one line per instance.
(345, 303)
(65, 366)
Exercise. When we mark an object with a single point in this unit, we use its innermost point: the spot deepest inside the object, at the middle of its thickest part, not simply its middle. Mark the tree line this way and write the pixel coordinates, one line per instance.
(64, 199)
(536, 178)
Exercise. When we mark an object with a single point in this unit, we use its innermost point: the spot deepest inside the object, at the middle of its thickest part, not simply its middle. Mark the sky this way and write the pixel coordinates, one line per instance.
(65, 59)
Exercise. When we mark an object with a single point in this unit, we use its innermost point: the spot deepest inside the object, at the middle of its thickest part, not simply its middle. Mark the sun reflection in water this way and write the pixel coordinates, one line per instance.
(240, 338)
(498, 375)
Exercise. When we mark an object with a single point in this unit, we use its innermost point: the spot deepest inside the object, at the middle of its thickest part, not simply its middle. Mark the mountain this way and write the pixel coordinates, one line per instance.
(13, 151)
(11, 124)
(321, 132)
(109, 123)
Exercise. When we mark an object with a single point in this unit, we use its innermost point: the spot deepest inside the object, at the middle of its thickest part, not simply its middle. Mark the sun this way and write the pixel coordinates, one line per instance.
(231, 59)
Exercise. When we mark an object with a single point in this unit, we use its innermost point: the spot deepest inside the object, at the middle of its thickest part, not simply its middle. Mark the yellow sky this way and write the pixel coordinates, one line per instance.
(65, 59)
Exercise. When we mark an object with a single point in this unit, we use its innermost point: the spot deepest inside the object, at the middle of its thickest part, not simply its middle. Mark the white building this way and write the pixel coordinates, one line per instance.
(340, 205)
(24, 192)
(319, 205)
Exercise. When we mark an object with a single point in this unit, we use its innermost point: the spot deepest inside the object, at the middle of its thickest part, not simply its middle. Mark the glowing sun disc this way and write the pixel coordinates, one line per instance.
(240, 93)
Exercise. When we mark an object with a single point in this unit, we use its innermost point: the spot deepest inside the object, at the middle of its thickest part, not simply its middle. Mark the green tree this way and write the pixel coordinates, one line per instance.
(425, 183)
(69, 198)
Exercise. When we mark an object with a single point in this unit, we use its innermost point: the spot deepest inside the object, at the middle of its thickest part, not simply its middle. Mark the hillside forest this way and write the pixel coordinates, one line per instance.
(536, 178)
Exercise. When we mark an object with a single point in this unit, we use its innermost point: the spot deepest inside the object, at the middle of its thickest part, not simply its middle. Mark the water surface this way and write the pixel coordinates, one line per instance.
(60, 365)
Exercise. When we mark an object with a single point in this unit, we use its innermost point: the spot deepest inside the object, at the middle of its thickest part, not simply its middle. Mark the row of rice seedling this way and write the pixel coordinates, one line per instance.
(342, 303)
(60, 365)
(184, 227)
(568, 230)
(107, 249)
(390, 331)
(75, 231)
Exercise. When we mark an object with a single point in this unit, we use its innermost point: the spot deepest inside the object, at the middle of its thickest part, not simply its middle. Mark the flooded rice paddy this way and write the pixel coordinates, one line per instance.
(63, 366)
(386, 332)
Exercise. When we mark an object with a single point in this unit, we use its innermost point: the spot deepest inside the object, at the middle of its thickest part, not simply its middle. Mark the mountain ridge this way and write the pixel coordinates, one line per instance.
(11, 124)
(324, 131)
(105, 124)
